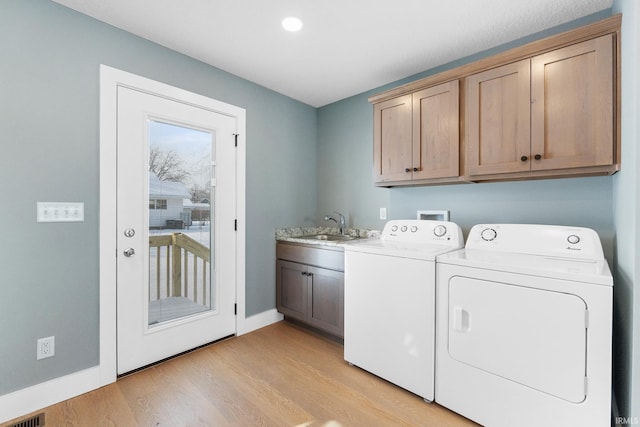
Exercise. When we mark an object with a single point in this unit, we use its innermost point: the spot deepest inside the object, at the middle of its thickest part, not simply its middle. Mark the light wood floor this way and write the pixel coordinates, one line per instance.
(279, 376)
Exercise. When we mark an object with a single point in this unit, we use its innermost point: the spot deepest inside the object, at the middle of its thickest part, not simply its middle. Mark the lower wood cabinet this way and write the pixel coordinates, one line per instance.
(313, 294)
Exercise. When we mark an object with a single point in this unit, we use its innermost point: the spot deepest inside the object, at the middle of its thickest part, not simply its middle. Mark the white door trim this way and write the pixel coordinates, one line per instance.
(110, 79)
(41, 395)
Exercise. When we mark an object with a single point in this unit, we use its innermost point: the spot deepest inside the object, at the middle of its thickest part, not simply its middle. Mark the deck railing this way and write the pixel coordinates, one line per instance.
(179, 266)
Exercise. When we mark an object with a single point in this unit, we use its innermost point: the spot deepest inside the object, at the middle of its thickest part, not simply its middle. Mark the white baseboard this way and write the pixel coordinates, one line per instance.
(30, 399)
(258, 321)
(39, 396)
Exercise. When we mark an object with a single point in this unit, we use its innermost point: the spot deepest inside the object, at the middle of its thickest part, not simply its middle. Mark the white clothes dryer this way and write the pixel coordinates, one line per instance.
(389, 301)
(524, 327)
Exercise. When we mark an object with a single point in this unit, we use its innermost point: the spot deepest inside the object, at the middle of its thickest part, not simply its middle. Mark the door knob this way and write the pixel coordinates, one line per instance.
(129, 252)
(129, 232)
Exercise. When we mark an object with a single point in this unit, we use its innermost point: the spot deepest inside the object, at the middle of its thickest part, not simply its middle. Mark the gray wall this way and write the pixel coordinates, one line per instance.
(583, 202)
(345, 172)
(610, 205)
(49, 122)
(49, 98)
(345, 156)
(626, 348)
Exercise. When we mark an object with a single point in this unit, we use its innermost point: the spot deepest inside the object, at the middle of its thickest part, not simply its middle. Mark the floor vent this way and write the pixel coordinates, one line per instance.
(35, 421)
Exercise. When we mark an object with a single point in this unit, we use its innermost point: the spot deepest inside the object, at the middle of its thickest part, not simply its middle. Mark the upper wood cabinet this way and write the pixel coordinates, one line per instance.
(498, 119)
(572, 95)
(436, 135)
(545, 109)
(392, 139)
(553, 112)
(416, 136)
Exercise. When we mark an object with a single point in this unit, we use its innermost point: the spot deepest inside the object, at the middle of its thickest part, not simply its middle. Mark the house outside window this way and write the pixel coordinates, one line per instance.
(158, 204)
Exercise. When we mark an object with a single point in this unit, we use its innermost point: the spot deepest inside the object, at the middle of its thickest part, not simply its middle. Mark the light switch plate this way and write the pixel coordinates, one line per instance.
(383, 213)
(60, 212)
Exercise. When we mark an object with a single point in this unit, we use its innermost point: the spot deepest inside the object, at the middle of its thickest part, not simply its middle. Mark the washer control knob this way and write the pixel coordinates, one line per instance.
(573, 239)
(403, 228)
(440, 230)
(488, 234)
(394, 228)
(414, 228)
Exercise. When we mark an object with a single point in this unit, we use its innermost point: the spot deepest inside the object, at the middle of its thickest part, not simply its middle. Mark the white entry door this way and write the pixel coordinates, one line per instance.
(176, 239)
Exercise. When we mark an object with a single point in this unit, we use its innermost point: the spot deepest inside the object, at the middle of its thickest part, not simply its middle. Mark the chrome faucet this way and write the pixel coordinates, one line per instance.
(339, 222)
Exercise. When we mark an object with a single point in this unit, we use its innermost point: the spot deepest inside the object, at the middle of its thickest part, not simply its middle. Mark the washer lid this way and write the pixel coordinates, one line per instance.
(412, 238)
(419, 251)
(589, 271)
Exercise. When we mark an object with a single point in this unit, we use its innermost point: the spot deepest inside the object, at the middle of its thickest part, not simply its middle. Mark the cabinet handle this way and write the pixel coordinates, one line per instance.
(524, 158)
(407, 170)
(415, 169)
(304, 273)
(537, 157)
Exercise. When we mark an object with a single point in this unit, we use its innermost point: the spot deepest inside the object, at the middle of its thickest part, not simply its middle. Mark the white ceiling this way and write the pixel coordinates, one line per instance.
(346, 46)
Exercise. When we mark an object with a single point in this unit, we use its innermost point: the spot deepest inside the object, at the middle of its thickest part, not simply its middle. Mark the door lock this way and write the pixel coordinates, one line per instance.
(129, 252)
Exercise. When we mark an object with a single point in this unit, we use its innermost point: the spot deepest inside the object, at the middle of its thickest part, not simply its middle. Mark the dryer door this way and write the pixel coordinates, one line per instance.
(534, 337)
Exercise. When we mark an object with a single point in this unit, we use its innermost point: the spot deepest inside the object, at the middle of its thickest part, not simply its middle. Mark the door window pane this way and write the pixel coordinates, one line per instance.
(180, 232)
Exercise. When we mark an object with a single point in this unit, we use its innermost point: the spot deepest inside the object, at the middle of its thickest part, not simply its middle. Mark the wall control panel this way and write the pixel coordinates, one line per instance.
(60, 212)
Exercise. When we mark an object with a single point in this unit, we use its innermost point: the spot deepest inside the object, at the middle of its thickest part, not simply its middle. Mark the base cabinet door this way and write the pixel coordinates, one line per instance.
(292, 289)
(310, 286)
(326, 300)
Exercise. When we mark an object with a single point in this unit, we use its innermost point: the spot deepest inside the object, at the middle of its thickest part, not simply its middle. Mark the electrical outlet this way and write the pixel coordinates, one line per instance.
(46, 347)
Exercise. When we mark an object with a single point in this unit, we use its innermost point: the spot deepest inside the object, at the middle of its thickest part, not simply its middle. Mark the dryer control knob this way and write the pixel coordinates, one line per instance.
(488, 234)
(573, 239)
(440, 230)
(403, 228)
(414, 228)
(394, 228)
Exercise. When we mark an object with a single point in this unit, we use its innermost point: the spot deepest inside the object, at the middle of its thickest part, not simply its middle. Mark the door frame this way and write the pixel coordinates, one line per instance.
(110, 79)
(56, 390)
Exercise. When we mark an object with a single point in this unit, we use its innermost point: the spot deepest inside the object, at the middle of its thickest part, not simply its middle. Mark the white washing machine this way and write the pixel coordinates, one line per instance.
(524, 318)
(389, 301)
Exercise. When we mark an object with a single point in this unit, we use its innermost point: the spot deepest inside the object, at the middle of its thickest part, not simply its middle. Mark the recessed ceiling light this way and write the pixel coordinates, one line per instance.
(291, 23)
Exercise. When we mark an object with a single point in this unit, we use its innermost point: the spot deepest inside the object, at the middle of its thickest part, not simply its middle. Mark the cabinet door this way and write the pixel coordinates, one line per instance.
(291, 289)
(572, 111)
(497, 120)
(326, 300)
(436, 132)
(392, 149)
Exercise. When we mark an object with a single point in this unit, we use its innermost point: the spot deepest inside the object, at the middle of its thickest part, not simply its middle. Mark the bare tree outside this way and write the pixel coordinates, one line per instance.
(199, 193)
(167, 165)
